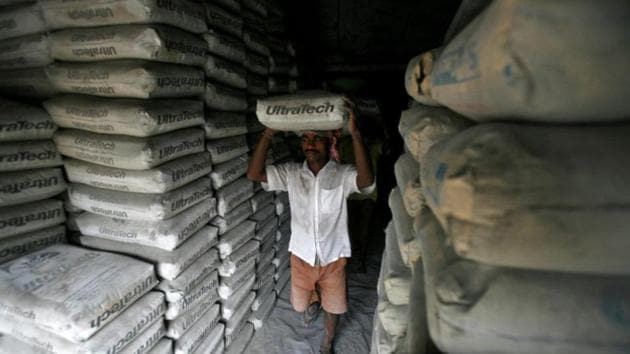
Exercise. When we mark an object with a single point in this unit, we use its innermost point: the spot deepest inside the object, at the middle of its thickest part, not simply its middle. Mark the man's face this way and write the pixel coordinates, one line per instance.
(315, 147)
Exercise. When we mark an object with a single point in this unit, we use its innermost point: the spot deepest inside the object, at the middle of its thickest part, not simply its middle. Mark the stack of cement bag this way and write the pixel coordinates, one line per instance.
(519, 223)
(66, 299)
(30, 175)
(281, 259)
(283, 71)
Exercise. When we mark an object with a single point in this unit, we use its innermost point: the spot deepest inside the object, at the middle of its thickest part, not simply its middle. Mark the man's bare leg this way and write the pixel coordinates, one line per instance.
(330, 325)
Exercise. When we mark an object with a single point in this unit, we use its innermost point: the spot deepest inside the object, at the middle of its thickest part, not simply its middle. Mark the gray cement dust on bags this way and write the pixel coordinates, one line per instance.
(26, 155)
(260, 316)
(224, 98)
(30, 82)
(179, 326)
(395, 275)
(12, 345)
(149, 42)
(184, 14)
(235, 247)
(266, 229)
(236, 300)
(282, 281)
(257, 85)
(192, 339)
(169, 264)
(203, 292)
(70, 291)
(408, 241)
(147, 340)
(161, 179)
(418, 77)
(127, 79)
(224, 124)
(164, 346)
(504, 65)
(223, 20)
(19, 122)
(129, 152)
(28, 186)
(232, 195)
(21, 19)
(228, 285)
(532, 196)
(232, 219)
(262, 294)
(261, 199)
(417, 330)
(19, 245)
(25, 52)
(239, 318)
(225, 72)
(140, 206)
(256, 63)
(264, 278)
(19, 219)
(264, 214)
(213, 344)
(239, 340)
(315, 110)
(407, 172)
(133, 117)
(226, 46)
(229, 171)
(177, 288)
(112, 338)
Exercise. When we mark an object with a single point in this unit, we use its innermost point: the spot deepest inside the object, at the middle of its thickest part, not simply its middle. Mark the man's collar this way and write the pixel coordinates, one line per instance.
(328, 165)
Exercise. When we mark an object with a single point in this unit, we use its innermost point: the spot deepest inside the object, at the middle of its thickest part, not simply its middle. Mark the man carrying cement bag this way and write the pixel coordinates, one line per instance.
(319, 242)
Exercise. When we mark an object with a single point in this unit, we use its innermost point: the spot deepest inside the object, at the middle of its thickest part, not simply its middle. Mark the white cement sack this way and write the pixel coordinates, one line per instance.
(315, 110)
(261, 199)
(149, 42)
(134, 117)
(177, 288)
(204, 292)
(191, 340)
(240, 316)
(417, 338)
(161, 179)
(225, 72)
(257, 85)
(239, 343)
(223, 20)
(281, 282)
(19, 245)
(224, 124)
(422, 127)
(393, 318)
(25, 52)
(224, 98)
(213, 344)
(30, 82)
(179, 13)
(140, 206)
(407, 172)
(408, 242)
(226, 46)
(20, 122)
(418, 77)
(258, 6)
(231, 241)
(147, 340)
(229, 171)
(23, 218)
(169, 264)
(256, 63)
(255, 41)
(110, 339)
(20, 20)
(27, 186)
(26, 155)
(259, 317)
(163, 234)
(230, 284)
(237, 260)
(127, 79)
(12, 345)
(236, 300)
(397, 289)
(235, 193)
(179, 326)
(164, 346)
(532, 196)
(232, 219)
(45, 289)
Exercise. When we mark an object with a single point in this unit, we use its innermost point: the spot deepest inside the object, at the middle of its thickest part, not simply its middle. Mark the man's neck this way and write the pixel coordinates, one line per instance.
(316, 166)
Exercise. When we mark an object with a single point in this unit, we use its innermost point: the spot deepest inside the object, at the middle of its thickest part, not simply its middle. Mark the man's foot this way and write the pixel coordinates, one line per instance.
(311, 313)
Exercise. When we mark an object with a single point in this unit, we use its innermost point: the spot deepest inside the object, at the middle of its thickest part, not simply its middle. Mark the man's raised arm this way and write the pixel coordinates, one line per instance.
(362, 161)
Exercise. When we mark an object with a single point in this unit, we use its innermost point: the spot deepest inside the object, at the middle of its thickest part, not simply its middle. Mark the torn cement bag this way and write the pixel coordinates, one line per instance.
(226, 46)
(532, 196)
(214, 342)
(422, 127)
(393, 318)
(230, 284)
(77, 291)
(29, 82)
(232, 219)
(148, 42)
(498, 67)
(417, 330)
(127, 79)
(235, 193)
(193, 338)
(239, 258)
(164, 346)
(19, 245)
(407, 172)
(282, 281)
(134, 117)
(225, 72)
(26, 186)
(161, 179)
(164, 234)
(223, 20)
(418, 77)
(203, 292)
(177, 288)
(184, 14)
(179, 326)
(261, 199)
(19, 122)
(26, 155)
(256, 63)
(236, 300)
(239, 317)
(113, 337)
(224, 98)
(25, 52)
(21, 19)
(258, 6)
(314, 110)
(19, 219)
(408, 241)
(147, 339)
(229, 171)
(257, 85)
(259, 317)
(224, 124)
(140, 206)
(169, 264)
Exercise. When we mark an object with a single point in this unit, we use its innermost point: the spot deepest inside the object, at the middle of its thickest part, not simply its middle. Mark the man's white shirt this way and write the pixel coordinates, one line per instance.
(319, 213)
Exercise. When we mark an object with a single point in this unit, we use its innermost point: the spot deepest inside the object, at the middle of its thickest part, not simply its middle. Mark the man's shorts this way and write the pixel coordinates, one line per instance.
(330, 280)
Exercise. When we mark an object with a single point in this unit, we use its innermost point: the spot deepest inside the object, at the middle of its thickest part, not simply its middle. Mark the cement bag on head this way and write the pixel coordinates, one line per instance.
(226, 149)
(226, 46)
(407, 172)
(27, 186)
(536, 61)
(164, 346)
(169, 264)
(19, 219)
(193, 338)
(224, 98)
(179, 13)
(128, 152)
(140, 206)
(232, 195)
(21, 19)
(418, 77)
(30, 82)
(179, 326)
(19, 245)
(24, 122)
(77, 291)
(408, 241)
(12, 345)
(177, 288)
(314, 110)
(161, 179)
(224, 124)
(256, 63)
(532, 196)
(25, 52)
(127, 79)
(147, 340)
(233, 218)
(225, 72)
(26, 155)
(223, 20)
(205, 291)
(422, 127)
(229, 171)
(164, 234)
(259, 317)
(134, 117)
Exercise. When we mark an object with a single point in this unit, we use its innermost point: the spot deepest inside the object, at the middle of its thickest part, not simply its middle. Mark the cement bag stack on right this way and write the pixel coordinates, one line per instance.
(521, 218)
